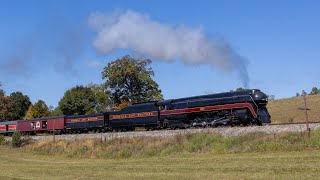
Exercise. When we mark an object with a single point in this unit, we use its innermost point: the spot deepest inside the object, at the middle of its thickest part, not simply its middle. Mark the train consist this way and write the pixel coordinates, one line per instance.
(230, 108)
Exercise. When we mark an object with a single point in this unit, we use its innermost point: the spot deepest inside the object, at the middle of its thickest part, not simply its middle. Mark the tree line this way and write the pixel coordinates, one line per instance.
(127, 81)
(313, 91)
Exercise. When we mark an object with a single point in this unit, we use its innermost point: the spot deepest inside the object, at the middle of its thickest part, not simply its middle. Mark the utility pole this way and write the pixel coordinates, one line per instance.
(54, 136)
(306, 111)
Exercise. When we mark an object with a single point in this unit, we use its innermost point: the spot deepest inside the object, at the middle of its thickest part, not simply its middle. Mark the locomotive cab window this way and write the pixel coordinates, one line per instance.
(44, 124)
(32, 125)
(161, 108)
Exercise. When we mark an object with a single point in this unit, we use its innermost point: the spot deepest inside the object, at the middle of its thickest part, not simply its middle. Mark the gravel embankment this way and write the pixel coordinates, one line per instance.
(225, 131)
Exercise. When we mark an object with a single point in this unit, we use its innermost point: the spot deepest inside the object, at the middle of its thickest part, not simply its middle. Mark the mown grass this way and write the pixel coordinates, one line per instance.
(286, 110)
(17, 164)
(190, 156)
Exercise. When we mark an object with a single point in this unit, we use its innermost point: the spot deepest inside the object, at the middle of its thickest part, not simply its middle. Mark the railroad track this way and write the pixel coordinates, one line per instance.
(224, 131)
(293, 123)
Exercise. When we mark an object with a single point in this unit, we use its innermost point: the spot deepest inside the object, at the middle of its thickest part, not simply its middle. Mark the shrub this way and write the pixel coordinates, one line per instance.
(16, 139)
(2, 139)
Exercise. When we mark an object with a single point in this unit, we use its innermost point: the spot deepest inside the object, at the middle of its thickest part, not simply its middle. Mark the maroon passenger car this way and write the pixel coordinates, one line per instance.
(42, 125)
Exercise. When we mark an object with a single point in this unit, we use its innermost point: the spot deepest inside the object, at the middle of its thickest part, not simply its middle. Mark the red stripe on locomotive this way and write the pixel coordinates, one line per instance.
(211, 108)
(134, 115)
(187, 110)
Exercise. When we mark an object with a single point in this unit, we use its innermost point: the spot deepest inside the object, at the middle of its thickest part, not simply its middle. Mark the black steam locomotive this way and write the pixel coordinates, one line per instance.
(230, 108)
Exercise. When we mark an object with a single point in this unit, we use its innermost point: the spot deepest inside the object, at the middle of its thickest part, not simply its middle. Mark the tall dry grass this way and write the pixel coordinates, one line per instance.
(181, 144)
(286, 110)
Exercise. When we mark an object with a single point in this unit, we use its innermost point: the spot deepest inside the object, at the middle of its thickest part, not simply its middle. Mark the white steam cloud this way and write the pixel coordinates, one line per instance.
(132, 30)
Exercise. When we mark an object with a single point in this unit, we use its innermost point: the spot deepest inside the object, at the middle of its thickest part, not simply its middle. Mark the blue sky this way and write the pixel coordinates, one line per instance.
(47, 47)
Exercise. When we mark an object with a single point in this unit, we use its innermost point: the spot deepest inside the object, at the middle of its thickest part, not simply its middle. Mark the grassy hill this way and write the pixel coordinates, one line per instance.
(286, 110)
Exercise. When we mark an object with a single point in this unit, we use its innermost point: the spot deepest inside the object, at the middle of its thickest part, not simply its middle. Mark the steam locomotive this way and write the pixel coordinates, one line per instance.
(229, 108)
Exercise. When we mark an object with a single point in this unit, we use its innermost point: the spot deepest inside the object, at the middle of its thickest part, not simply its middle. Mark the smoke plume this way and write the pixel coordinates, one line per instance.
(132, 30)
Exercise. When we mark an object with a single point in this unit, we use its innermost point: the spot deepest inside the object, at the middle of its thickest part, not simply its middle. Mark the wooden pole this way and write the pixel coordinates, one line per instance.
(54, 137)
(306, 111)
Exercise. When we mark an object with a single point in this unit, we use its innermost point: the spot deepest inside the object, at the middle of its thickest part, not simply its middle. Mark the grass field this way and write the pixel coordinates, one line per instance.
(197, 156)
(286, 110)
(16, 164)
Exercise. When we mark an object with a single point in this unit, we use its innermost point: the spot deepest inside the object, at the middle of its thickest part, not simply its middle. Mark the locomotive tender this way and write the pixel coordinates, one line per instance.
(229, 108)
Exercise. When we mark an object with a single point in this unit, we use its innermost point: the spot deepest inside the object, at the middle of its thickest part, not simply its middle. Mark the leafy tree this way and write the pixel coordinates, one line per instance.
(297, 94)
(314, 91)
(56, 112)
(51, 108)
(122, 105)
(303, 93)
(38, 110)
(240, 89)
(1, 90)
(5, 106)
(129, 80)
(102, 98)
(21, 105)
(78, 100)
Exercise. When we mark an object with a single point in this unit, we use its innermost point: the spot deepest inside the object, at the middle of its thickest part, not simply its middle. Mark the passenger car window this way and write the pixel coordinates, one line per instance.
(44, 124)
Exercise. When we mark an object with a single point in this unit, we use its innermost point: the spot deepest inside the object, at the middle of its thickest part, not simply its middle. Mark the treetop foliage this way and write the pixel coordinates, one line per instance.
(5, 107)
(1, 91)
(77, 101)
(240, 89)
(129, 80)
(38, 110)
(122, 105)
(314, 91)
(102, 98)
(21, 104)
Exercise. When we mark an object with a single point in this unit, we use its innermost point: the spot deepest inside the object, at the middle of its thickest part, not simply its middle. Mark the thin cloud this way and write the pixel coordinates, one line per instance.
(93, 64)
(18, 60)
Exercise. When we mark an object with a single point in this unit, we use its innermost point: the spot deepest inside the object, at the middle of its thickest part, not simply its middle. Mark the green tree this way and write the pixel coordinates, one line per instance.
(102, 98)
(314, 91)
(21, 105)
(38, 110)
(56, 112)
(5, 107)
(129, 80)
(240, 89)
(303, 93)
(78, 100)
(122, 105)
(1, 90)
